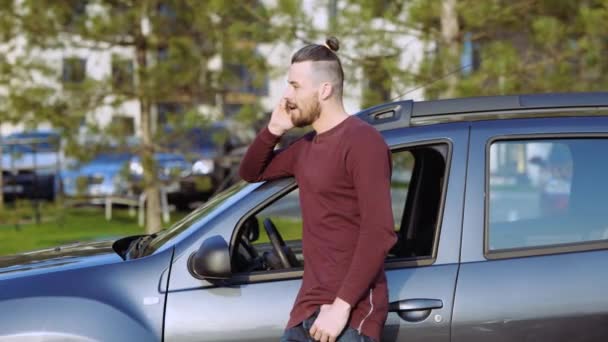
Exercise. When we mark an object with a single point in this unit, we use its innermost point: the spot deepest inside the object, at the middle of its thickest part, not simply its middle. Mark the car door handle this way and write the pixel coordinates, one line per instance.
(415, 310)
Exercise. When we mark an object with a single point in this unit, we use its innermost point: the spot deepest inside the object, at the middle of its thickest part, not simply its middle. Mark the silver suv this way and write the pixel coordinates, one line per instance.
(499, 205)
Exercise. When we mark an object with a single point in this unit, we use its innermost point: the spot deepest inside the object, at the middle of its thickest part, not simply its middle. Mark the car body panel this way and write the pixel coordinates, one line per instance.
(553, 297)
(59, 258)
(96, 297)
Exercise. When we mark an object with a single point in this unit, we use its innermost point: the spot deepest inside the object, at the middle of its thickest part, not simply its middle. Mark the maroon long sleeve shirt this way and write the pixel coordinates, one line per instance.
(344, 179)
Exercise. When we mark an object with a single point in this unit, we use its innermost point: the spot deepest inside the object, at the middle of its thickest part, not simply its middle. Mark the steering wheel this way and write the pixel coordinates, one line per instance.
(285, 254)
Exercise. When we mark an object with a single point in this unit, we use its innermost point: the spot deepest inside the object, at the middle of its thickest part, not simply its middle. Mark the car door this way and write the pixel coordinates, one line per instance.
(252, 307)
(535, 232)
(429, 164)
(423, 266)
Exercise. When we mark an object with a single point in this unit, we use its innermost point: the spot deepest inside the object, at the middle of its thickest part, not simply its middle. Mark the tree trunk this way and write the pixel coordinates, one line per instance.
(1, 180)
(450, 33)
(150, 186)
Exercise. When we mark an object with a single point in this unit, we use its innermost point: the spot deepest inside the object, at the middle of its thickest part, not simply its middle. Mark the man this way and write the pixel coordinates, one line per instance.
(343, 172)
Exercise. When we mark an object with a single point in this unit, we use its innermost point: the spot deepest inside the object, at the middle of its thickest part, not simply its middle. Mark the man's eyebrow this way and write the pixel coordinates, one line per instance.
(293, 82)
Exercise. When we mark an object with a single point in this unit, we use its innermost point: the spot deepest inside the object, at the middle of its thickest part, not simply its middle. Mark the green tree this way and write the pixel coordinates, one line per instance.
(168, 47)
(515, 46)
(24, 99)
(470, 47)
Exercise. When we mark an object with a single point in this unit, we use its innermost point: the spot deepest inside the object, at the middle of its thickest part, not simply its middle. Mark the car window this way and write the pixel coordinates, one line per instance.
(286, 215)
(417, 189)
(546, 193)
(415, 211)
(197, 217)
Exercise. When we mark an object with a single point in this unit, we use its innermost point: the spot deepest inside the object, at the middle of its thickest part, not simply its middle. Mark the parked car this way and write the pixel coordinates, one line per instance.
(173, 172)
(474, 261)
(121, 174)
(210, 149)
(31, 162)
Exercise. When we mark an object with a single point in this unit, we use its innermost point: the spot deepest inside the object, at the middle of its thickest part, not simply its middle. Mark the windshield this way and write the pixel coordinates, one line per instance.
(196, 216)
(24, 143)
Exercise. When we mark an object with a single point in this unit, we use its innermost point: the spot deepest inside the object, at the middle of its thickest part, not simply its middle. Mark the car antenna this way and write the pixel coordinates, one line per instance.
(433, 81)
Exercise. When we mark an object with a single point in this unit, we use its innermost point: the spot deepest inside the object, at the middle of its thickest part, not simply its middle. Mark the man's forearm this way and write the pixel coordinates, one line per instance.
(262, 162)
(258, 155)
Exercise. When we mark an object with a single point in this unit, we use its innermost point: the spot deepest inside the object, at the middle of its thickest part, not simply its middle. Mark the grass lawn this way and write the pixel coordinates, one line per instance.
(89, 224)
(78, 224)
(290, 229)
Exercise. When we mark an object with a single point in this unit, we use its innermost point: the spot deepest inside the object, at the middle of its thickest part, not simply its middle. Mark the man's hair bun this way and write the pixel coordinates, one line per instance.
(333, 43)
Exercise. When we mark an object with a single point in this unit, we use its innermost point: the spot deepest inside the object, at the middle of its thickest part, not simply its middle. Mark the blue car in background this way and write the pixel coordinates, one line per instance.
(30, 165)
(121, 174)
(214, 152)
(102, 176)
(200, 162)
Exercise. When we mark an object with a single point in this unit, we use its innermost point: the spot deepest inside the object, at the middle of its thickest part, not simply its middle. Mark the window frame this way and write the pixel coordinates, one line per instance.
(425, 260)
(519, 252)
(261, 276)
(122, 69)
(68, 75)
(397, 263)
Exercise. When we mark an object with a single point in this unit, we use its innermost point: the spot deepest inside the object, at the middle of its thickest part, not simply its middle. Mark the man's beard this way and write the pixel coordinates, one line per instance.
(307, 114)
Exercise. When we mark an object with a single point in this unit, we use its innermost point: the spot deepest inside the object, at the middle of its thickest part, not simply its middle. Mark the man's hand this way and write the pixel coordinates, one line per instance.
(331, 321)
(280, 121)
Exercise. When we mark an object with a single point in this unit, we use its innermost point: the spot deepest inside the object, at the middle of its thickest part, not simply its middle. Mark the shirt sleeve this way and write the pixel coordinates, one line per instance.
(370, 165)
(261, 162)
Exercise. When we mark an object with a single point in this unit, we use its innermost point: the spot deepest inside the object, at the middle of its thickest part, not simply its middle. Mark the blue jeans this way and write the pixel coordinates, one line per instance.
(299, 333)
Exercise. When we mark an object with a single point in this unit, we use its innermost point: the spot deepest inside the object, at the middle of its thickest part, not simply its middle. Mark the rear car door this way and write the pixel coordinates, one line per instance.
(535, 232)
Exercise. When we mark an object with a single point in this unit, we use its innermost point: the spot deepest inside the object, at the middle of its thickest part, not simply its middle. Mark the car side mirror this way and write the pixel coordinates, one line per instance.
(212, 260)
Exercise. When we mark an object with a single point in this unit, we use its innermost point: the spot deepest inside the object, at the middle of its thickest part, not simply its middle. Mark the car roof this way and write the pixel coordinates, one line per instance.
(32, 136)
(409, 113)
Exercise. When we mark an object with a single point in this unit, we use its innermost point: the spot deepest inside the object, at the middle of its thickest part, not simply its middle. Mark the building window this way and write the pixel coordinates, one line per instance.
(74, 70)
(167, 113)
(123, 126)
(122, 74)
(75, 13)
(470, 56)
(162, 53)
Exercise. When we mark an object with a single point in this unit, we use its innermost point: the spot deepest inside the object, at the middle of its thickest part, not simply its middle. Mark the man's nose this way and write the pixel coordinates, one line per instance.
(287, 95)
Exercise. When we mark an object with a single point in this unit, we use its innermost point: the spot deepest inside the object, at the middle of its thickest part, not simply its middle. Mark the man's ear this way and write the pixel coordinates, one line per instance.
(326, 90)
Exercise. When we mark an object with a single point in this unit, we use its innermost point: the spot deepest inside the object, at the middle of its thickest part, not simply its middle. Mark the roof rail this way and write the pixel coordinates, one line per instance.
(400, 113)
